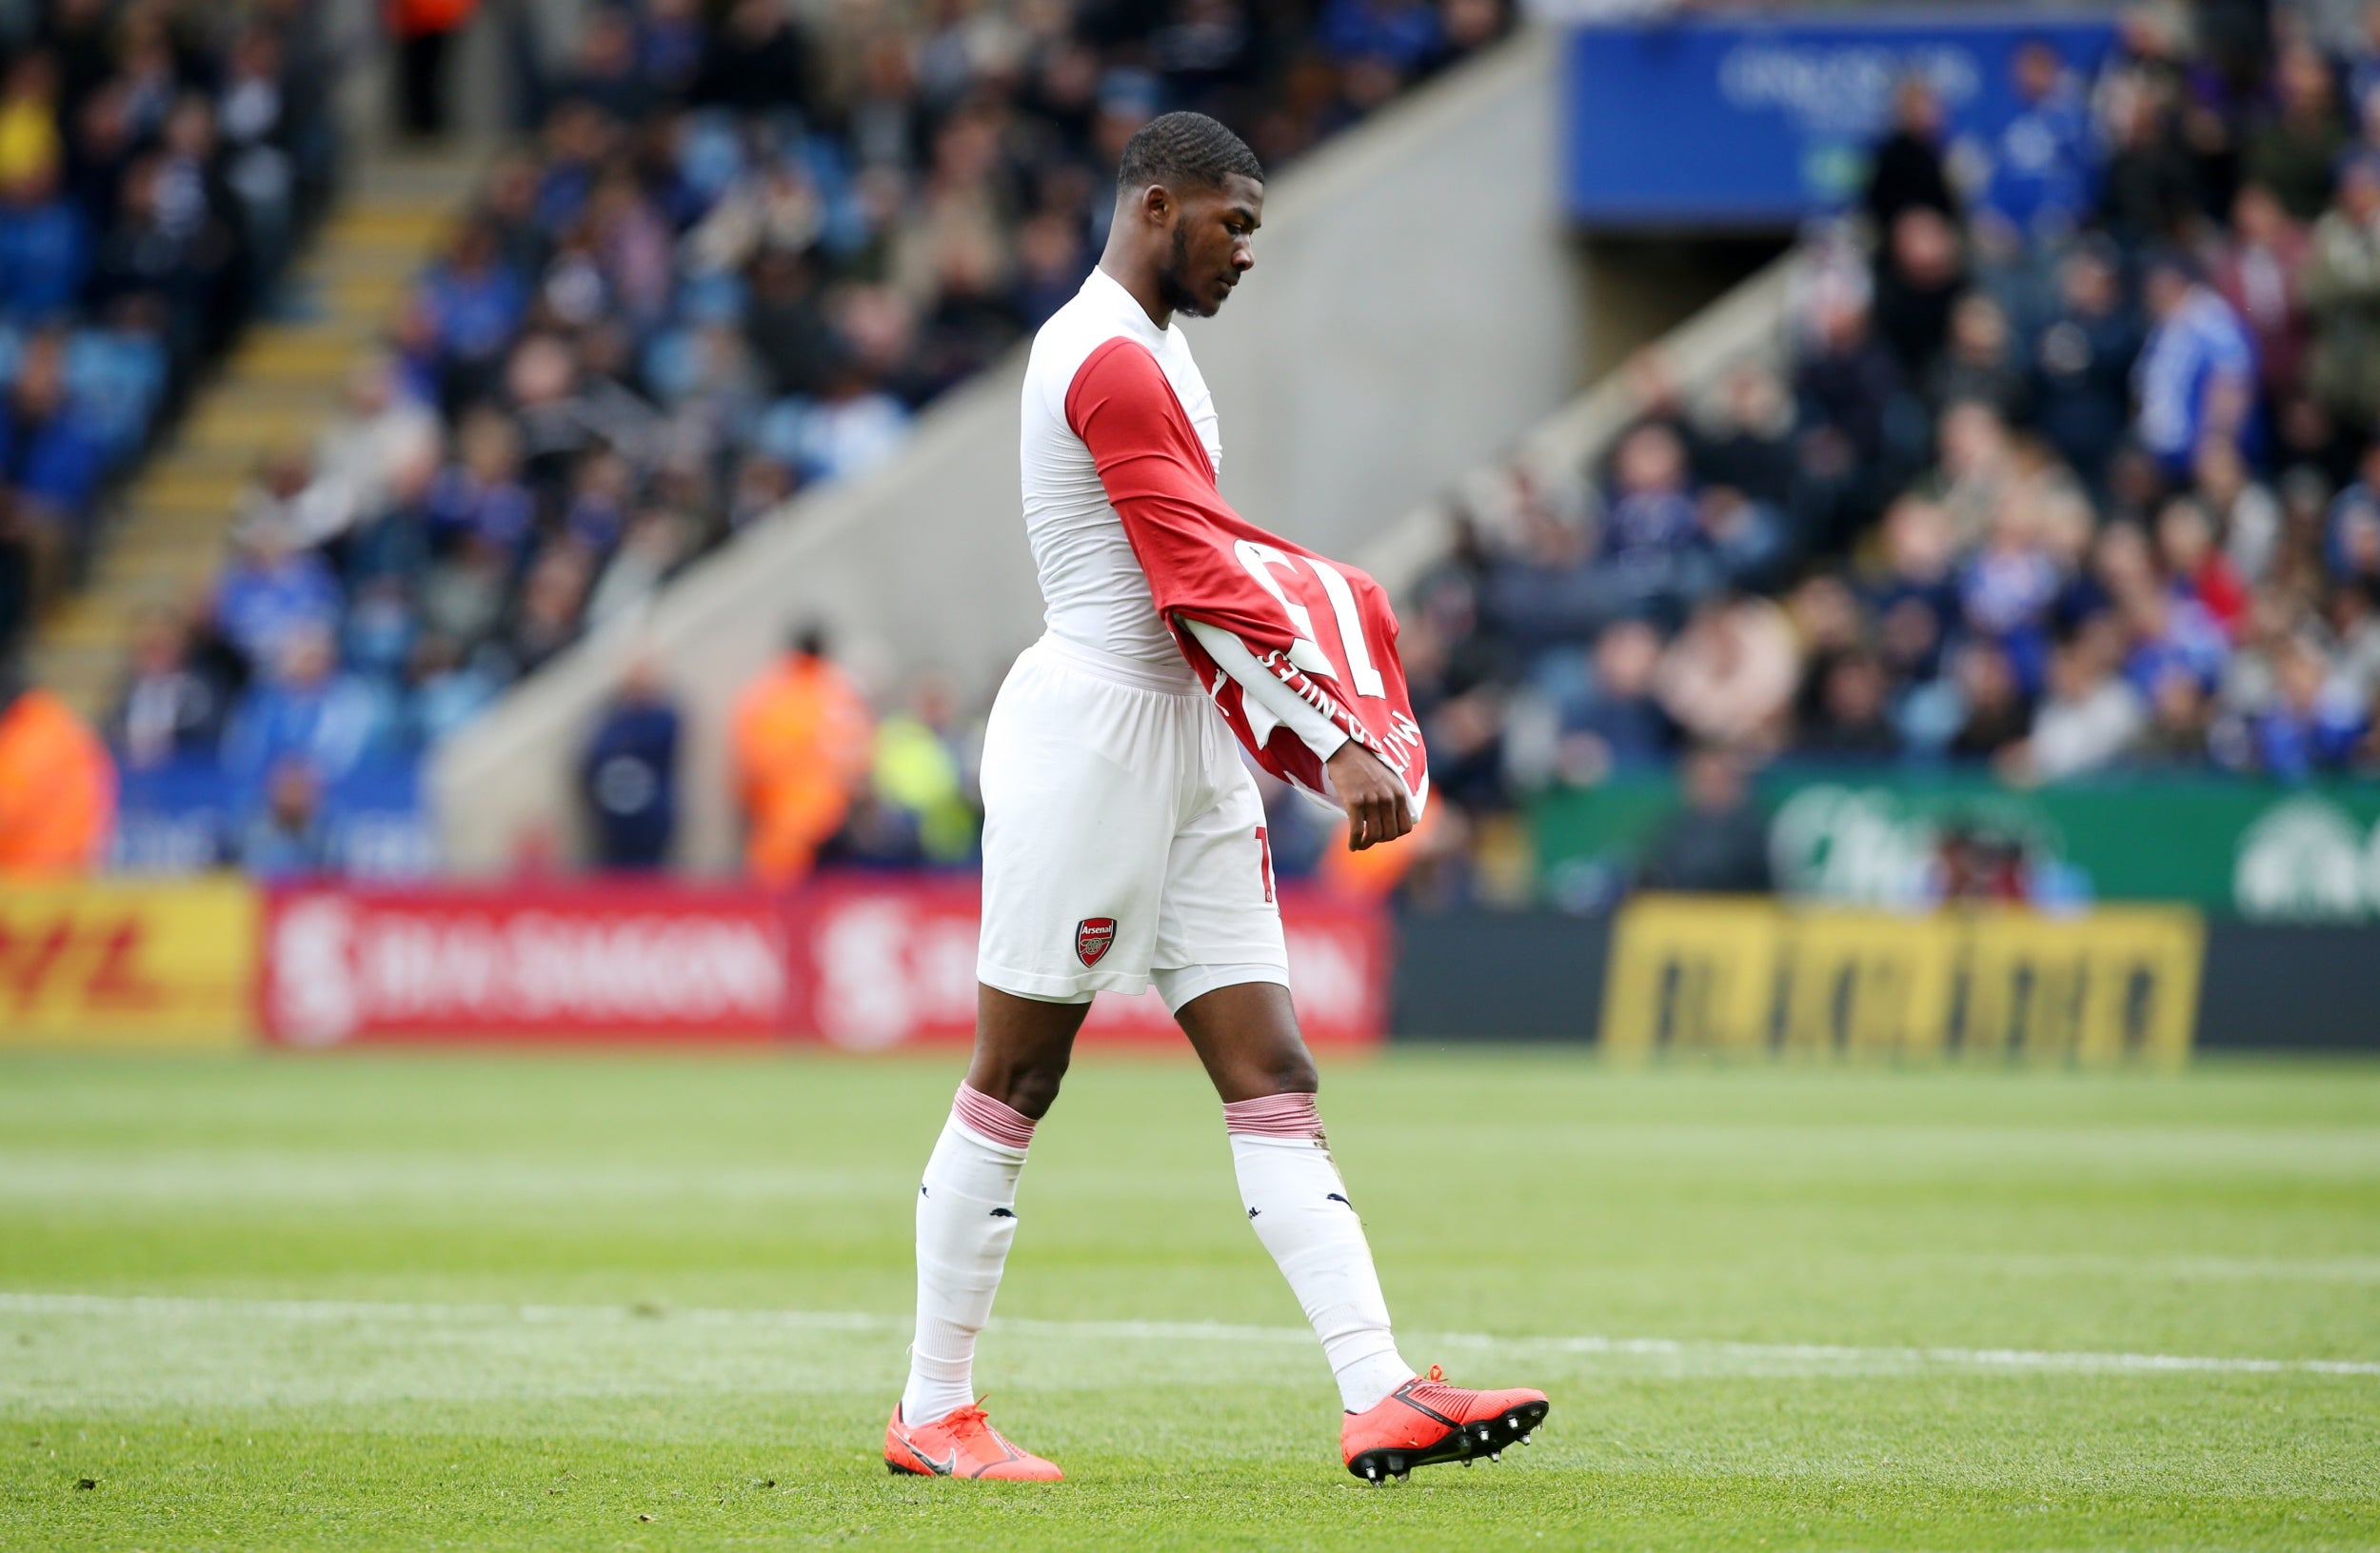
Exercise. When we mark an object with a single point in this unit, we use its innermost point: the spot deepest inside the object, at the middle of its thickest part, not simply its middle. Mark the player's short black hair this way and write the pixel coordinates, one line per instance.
(1185, 149)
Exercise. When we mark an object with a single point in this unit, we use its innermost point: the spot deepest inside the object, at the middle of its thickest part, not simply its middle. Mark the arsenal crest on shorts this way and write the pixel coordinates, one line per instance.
(1093, 938)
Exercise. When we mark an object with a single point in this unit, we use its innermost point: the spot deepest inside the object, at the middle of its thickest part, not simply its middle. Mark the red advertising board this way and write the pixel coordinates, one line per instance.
(521, 963)
(884, 963)
(864, 963)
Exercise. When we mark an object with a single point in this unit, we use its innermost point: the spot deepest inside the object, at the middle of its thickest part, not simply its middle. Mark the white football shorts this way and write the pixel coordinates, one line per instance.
(1123, 840)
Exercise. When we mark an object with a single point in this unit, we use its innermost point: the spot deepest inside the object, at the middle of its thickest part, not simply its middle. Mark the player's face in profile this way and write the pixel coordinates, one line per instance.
(1214, 244)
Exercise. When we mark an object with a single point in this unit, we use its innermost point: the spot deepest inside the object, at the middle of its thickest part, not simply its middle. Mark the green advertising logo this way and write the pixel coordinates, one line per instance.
(1879, 846)
(2228, 846)
(2307, 859)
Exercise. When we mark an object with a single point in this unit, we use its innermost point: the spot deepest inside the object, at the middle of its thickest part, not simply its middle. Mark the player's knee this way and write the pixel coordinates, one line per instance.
(1033, 1087)
(1291, 1074)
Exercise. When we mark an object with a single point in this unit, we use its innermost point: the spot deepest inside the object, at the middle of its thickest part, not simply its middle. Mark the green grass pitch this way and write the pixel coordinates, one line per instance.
(650, 1302)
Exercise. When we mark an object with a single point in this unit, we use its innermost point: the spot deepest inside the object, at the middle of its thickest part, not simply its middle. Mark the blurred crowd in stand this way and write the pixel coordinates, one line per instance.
(2065, 465)
(745, 244)
(158, 161)
(2068, 467)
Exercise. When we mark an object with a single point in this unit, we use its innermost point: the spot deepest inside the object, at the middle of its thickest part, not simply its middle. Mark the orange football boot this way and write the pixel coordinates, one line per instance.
(1426, 1421)
(960, 1444)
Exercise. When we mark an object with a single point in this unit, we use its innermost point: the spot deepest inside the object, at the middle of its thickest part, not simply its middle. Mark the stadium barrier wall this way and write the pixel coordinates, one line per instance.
(1478, 975)
(2290, 988)
(1358, 374)
(169, 965)
(864, 963)
(1746, 977)
(870, 962)
(2226, 844)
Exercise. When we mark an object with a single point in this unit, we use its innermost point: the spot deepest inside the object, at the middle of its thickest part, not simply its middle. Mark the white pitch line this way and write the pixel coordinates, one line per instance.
(185, 1307)
(2280, 1270)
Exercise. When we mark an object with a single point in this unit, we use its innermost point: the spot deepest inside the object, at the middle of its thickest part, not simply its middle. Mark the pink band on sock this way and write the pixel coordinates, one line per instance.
(1274, 1116)
(1001, 1123)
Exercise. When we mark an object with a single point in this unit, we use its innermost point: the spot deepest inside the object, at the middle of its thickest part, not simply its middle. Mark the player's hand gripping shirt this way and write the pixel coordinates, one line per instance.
(1135, 542)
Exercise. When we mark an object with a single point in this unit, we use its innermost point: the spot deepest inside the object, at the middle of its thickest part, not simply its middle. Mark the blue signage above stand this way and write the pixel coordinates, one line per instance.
(1763, 120)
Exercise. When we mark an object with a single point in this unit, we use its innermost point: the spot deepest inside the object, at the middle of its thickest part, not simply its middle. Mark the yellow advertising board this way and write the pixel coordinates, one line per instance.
(108, 963)
(1750, 977)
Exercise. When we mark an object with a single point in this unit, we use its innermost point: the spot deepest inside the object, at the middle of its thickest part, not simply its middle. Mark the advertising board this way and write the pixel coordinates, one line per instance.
(1750, 977)
(1748, 119)
(2230, 845)
(521, 963)
(171, 964)
(887, 963)
(191, 816)
(862, 962)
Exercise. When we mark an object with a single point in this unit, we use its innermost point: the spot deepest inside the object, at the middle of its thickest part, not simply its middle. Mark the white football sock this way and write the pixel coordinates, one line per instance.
(967, 1218)
(1299, 1208)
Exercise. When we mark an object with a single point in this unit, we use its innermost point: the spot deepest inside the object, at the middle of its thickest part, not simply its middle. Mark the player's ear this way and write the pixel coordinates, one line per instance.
(1156, 203)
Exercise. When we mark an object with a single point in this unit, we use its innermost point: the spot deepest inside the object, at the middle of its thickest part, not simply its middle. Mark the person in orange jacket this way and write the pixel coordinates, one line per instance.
(57, 784)
(424, 30)
(1374, 873)
(802, 741)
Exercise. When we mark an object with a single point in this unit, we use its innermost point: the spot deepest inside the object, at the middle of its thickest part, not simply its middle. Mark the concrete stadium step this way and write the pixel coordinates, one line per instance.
(85, 676)
(255, 395)
(181, 458)
(203, 496)
(370, 295)
(97, 622)
(171, 531)
(318, 328)
(360, 258)
(240, 423)
(414, 226)
(278, 390)
(139, 537)
(282, 353)
(149, 555)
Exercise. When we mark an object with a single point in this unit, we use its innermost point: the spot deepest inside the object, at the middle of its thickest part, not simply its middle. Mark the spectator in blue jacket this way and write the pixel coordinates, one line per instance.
(45, 249)
(443, 691)
(272, 589)
(306, 710)
(2350, 539)
(2170, 636)
(1405, 33)
(2315, 723)
(1614, 722)
(49, 449)
(474, 304)
(2197, 371)
(628, 774)
(287, 839)
(2043, 170)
